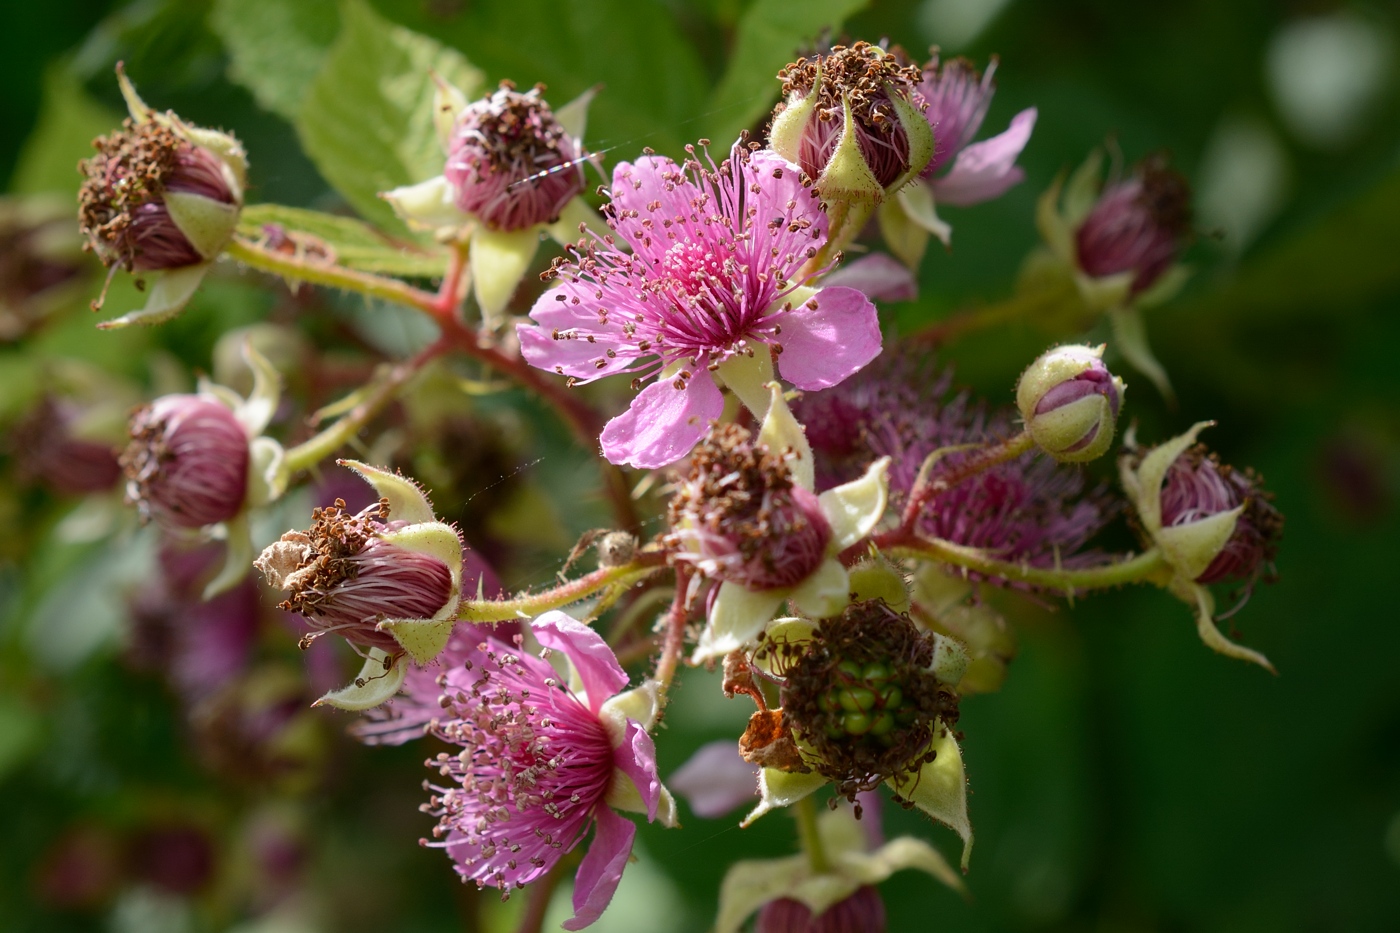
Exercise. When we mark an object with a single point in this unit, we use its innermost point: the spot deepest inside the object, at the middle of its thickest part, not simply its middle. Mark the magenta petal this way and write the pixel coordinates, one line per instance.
(781, 185)
(823, 345)
(716, 780)
(597, 666)
(663, 422)
(986, 170)
(571, 352)
(601, 869)
(637, 759)
(879, 277)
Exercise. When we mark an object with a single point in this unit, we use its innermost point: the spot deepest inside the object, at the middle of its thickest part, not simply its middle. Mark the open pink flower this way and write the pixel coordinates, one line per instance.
(542, 762)
(958, 99)
(715, 286)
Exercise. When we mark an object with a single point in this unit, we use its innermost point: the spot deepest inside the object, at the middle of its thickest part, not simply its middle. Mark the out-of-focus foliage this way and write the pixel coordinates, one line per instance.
(1123, 779)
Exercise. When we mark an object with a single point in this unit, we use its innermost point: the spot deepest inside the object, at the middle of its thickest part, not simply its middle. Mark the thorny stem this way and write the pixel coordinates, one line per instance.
(382, 391)
(674, 644)
(805, 812)
(1147, 567)
(989, 456)
(529, 605)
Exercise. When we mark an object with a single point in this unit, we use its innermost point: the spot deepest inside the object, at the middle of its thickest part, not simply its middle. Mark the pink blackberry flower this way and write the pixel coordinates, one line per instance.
(542, 763)
(715, 287)
(1027, 510)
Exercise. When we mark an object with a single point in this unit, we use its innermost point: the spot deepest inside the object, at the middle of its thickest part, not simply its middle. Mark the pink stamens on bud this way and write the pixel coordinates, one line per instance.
(1069, 402)
(739, 517)
(862, 912)
(1197, 486)
(187, 462)
(512, 164)
(1138, 225)
(344, 577)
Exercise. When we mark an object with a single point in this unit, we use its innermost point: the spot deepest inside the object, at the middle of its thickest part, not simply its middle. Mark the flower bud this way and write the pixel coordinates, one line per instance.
(740, 517)
(154, 200)
(187, 462)
(511, 164)
(862, 912)
(1137, 225)
(854, 121)
(346, 574)
(1199, 486)
(1069, 402)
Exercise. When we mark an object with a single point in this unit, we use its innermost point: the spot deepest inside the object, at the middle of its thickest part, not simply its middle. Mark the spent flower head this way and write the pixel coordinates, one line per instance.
(542, 761)
(714, 288)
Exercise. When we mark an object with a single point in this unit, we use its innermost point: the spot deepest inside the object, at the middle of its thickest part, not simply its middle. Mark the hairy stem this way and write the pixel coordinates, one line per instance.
(674, 645)
(1023, 304)
(529, 605)
(321, 273)
(926, 488)
(1148, 567)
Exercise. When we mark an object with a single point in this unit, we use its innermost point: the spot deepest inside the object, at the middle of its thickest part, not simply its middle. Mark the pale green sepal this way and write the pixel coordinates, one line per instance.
(1082, 192)
(499, 261)
(407, 503)
(435, 539)
(1167, 286)
(751, 883)
(1130, 339)
(172, 290)
(1191, 547)
(940, 789)
(917, 200)
(379, 679)
(950, 660)
(785, 135)
(905, 238)
(854, 509)
(907, 852)
(875, 577)
(642, 703)
(220, 393)
(267, 478)
(573, 116)
(1205, 626)
(423, 639)
(823, 594)
(790, 630)
(846, 176)
(206, 223)
(139, 110)
(1144, 485)
(1051, 223)
(577, 213)
(783, 435)
(1107, 292)
(937, 590)
(782, 789)
(256, 411)
(448, 104)
(737, 618)
(748, 377)
(238, 556)
(919, 134)
(429, 204)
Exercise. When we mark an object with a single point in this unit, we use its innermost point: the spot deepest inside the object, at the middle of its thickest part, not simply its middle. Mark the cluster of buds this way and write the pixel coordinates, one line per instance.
(1069, 402)
(161, 196)
(514, 169)
(388, 580)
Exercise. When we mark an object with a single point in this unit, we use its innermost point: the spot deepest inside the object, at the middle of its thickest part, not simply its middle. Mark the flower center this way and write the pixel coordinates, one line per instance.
(698, 269)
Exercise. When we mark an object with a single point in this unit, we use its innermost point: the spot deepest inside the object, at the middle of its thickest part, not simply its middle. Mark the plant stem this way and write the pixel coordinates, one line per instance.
(674, 644)
(805, 812)
(529, 605)
(1148, 567)
(989, 456)
(1020, 305)
(333, 276)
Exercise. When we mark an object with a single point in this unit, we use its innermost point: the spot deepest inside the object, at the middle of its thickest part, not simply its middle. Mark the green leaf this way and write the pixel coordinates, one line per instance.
(367, 121)
(276, 47)
(353, 243)
(769, 35)
(69, 120)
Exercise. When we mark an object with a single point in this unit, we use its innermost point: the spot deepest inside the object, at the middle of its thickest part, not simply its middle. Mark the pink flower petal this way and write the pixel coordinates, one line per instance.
(570, 312)
(653, 187)
(879, 277)
(823, 345)
(590, 655)
(716, 780)
(986, 170)
(663, 422)
(637, 759)
(782, 184)
(601, 869)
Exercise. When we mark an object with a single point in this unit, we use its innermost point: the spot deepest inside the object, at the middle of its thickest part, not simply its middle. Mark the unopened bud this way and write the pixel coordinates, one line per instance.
(1138, 225)
(1069, 402)
(187, 462)
(862, 912)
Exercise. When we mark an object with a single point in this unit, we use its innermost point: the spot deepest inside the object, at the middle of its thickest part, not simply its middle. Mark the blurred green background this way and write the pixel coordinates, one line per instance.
(1125, 779)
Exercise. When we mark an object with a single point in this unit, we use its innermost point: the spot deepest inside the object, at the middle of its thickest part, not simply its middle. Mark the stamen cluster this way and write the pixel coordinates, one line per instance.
(1198, 485)
(862, 696)
(738, 515)
(1137, 225)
